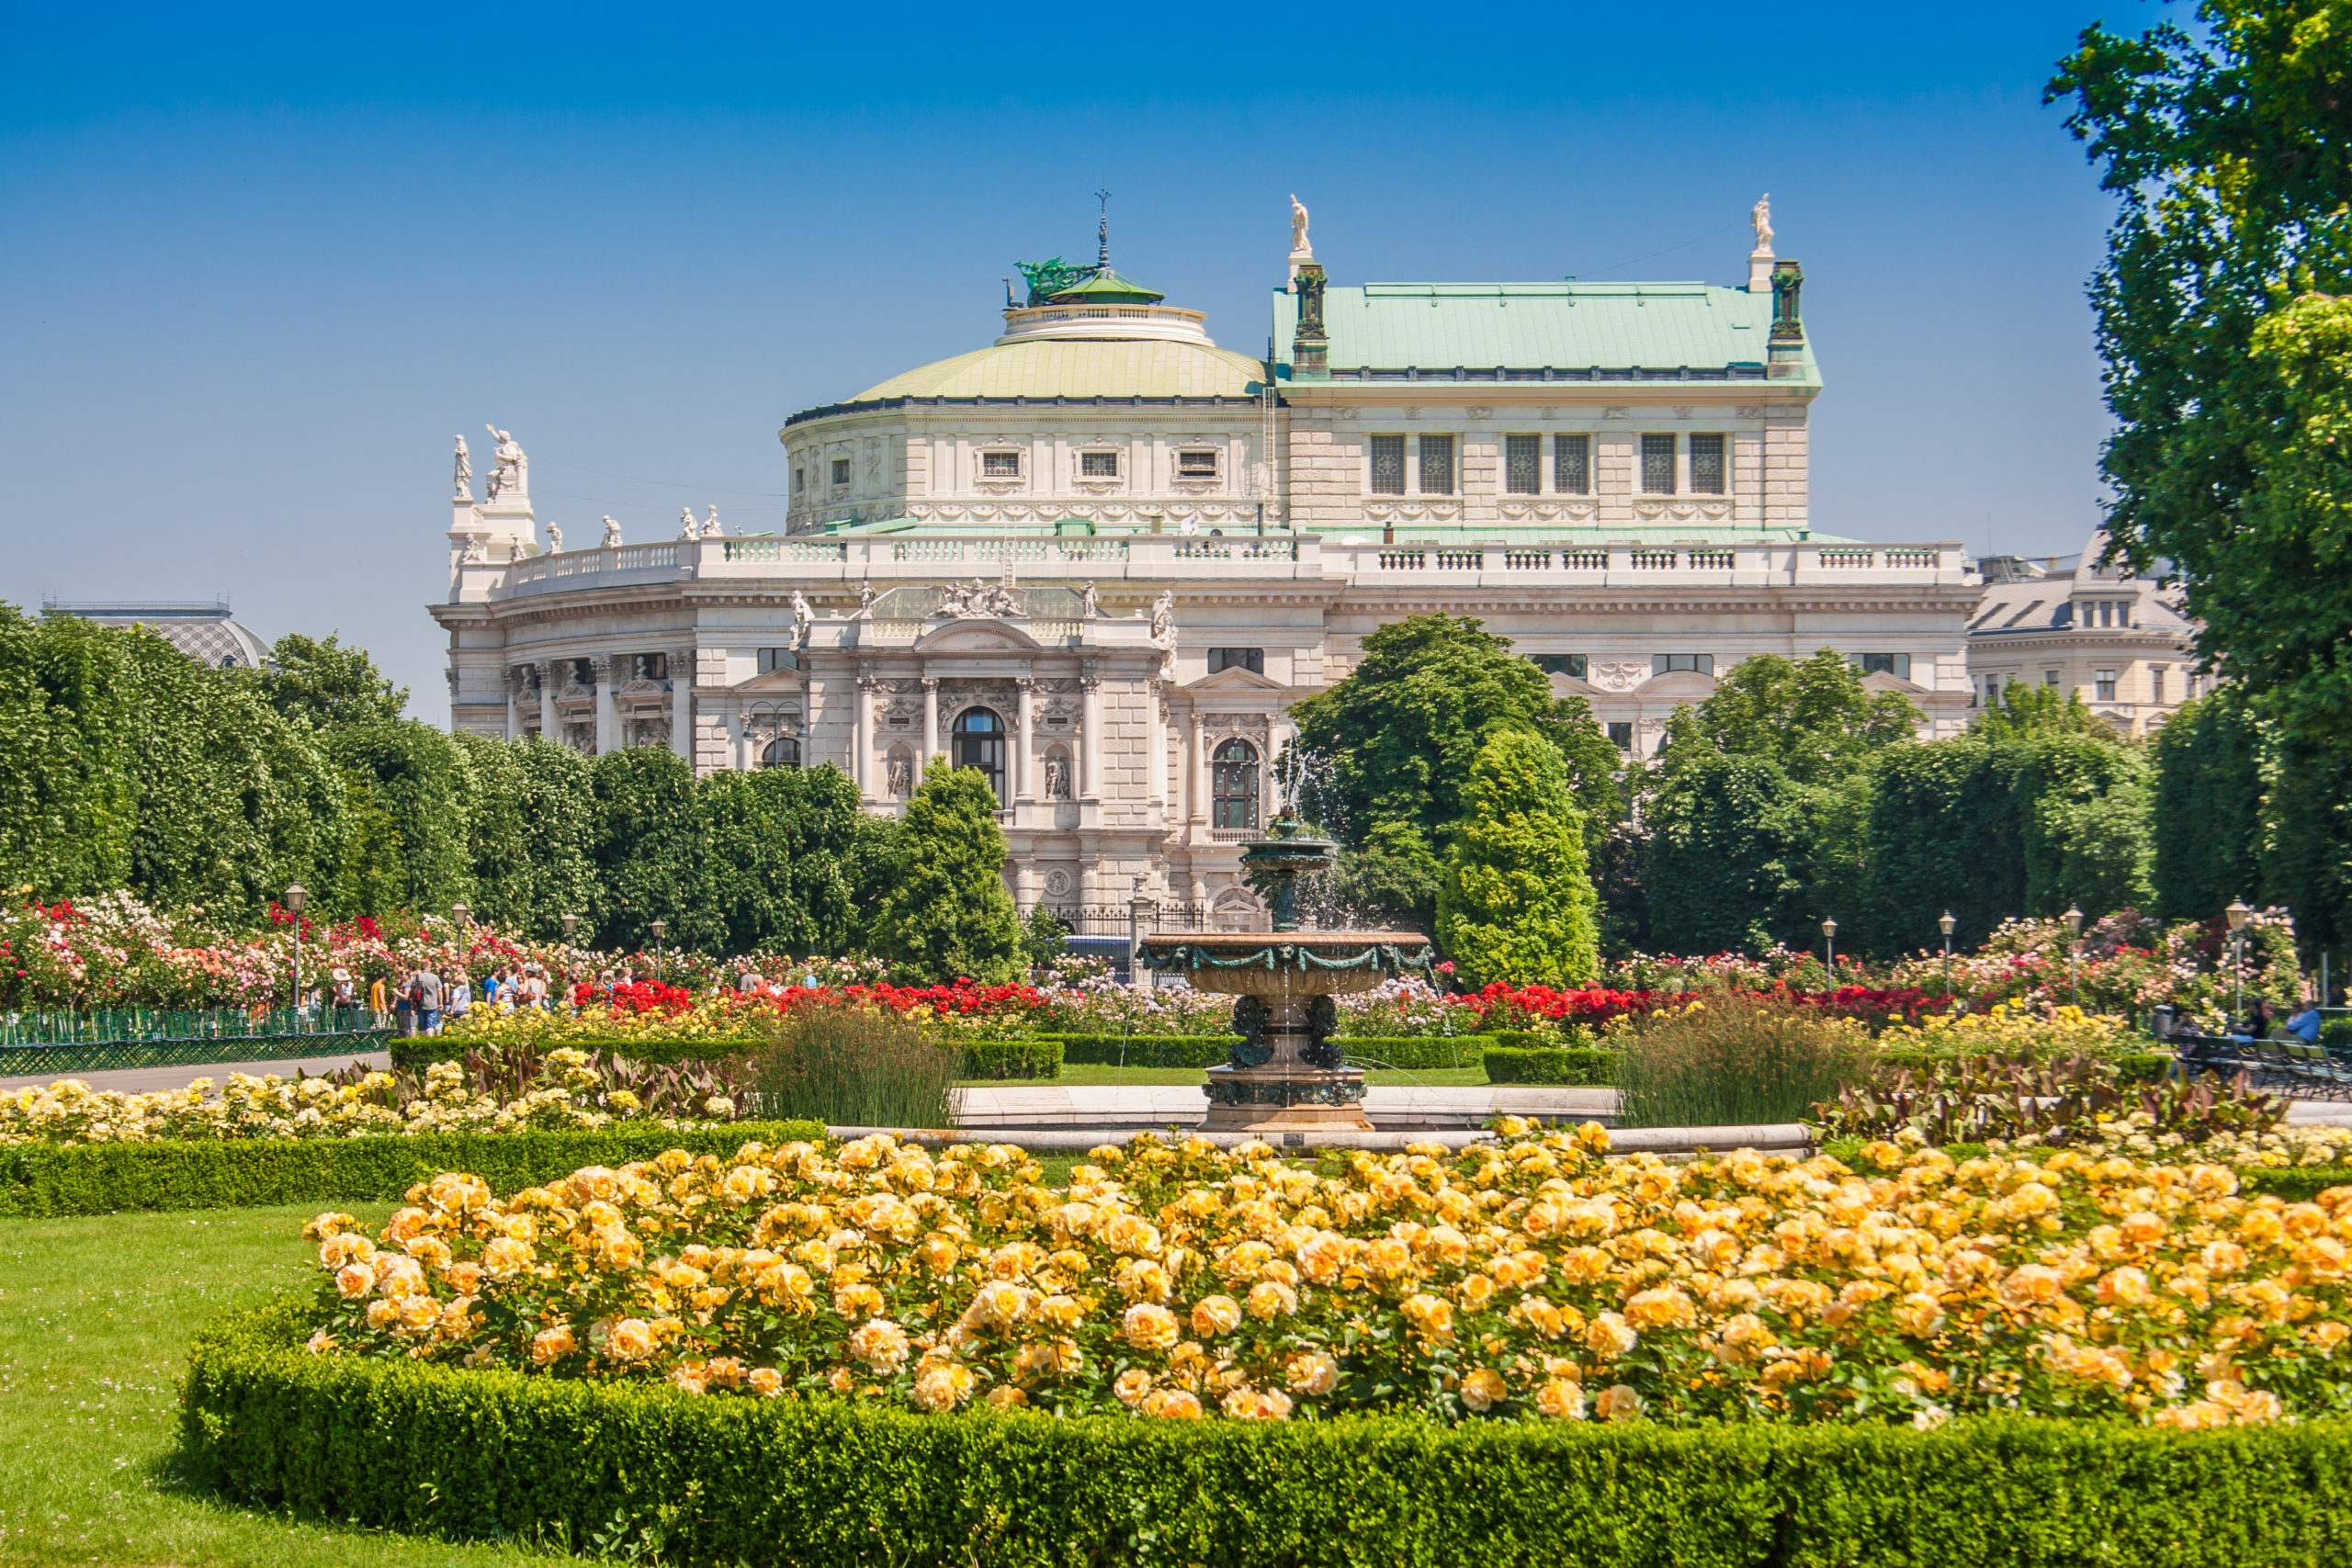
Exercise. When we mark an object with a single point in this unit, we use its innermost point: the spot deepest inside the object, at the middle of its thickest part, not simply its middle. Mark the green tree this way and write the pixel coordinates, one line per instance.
(1385, 754)
(1727, 857)
(325, 684)
(2208, 806)
(1515, 905)
(68, 807)
(1814, 720)
(1943, 837)
(945, 912)
(2036, 710)
(650, 852)
(419, 775)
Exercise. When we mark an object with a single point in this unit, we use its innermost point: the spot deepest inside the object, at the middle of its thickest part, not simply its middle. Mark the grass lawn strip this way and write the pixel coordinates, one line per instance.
(95, 1317)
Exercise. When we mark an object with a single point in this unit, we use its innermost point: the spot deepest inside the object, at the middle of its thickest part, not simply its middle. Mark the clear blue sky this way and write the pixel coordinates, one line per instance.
(258, 264)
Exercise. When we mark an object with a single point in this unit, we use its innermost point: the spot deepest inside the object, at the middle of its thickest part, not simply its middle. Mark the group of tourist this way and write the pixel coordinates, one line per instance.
(417, 1000)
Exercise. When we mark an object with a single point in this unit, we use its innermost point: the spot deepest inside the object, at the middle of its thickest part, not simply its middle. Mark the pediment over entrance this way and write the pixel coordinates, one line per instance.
(978, 637)
(1235, 682)
(1678, 684)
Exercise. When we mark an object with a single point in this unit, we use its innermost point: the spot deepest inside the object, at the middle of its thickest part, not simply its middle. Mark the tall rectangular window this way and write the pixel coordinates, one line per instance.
(1572, 465)
(1706, 465)
(1621, 735)
(2103, 685)
(1436, 465)
(1523, 464)
(2155, 682)
(1657, 465)
(1387, 465)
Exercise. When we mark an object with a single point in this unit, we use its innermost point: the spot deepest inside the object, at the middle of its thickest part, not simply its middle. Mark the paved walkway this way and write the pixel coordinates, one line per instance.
(139, 1080)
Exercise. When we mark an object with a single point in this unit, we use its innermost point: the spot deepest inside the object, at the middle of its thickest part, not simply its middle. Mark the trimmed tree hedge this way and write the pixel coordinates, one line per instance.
(1147, 1049)
(39, 1180)
(725, 1479)
(1415, 1051)
(1013, 1059)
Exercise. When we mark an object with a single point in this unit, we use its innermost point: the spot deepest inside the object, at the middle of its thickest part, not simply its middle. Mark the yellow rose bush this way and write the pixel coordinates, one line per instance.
(2018, 1030)
(568, 1095)
(1532, 1278)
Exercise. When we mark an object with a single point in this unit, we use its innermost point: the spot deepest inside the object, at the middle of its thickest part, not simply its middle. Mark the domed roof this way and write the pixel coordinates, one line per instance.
(1082, 367)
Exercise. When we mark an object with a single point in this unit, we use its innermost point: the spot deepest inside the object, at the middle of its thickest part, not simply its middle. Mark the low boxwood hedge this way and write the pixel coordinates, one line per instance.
(416, 1051)
(1415, 1051)
(1040, 1058)
(1147, 1049)
(37, 1179)
(653, 1471)
(1543, 1065)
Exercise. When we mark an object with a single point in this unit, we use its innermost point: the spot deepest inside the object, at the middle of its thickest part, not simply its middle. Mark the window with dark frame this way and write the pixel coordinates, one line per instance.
(1387, 465)
(1672, 663)
(783, 752)
(999, 465)
(1561, 664)
(1706, 465)
(1657, 465)
(799, 479)
(1233, 785)
(1436, 465)
(1895, 664)
(841, 471)
(1572, 465)
(775, 658)
(2103, 685)
(1251, 658)
(1523, 464)
(1622, 737)
(1197, 463)
(1098, 465)
(978, 742)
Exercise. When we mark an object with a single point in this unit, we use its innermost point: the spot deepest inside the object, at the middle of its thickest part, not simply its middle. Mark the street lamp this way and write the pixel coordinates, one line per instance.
(1829, 937)
(660, 930)
(1946, 923)
(293, 899)
(2238, 912)
(2074, 919)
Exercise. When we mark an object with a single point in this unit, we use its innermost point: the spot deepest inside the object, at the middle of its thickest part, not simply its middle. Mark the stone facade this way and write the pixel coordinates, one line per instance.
(2121, 643)
(1103, 557)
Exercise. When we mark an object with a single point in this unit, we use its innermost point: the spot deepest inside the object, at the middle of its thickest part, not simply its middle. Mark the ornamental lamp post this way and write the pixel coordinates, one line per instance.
(1947, 924)
(2239, 913)
(2074, 919)
(293, 899)
(1829, 939)
(659, 927)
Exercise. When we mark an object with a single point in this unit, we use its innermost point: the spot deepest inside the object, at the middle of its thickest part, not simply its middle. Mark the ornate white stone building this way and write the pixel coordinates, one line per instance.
(1101, 557)
(2122, 643)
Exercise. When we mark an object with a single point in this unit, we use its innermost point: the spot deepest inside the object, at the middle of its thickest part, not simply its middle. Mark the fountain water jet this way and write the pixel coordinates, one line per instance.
(1287, 1073)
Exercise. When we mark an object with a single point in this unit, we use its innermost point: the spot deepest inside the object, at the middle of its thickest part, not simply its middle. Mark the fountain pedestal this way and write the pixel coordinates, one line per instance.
(1287, 1073)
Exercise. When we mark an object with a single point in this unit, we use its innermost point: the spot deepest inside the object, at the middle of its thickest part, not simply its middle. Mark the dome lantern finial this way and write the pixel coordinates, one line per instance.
(1103, 234)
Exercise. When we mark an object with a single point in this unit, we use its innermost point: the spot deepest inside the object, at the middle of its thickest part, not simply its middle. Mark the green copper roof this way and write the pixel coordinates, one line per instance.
(1082, 367)
(1107, 287)
(1436, 326)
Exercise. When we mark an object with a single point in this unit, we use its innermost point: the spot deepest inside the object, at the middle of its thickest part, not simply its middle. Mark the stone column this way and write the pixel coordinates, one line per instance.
(1090, 744)
(1024, 789)
(861, 746)
(515, 703)
(605, 667)
(1156, 750)
(682, 702)
(744, 757)
(551, 678)
(1200, 771)
(929, 724)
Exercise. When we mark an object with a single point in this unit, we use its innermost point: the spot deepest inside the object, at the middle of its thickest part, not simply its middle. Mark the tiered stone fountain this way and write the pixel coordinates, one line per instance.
(1287, 1074)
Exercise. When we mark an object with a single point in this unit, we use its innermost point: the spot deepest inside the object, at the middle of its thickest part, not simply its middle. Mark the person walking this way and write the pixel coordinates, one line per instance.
(429, 997)
(404, 1008)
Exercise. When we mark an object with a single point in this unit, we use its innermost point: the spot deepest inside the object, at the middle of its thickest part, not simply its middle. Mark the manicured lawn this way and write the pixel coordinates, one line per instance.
(95, 1319)
(1087, 1073)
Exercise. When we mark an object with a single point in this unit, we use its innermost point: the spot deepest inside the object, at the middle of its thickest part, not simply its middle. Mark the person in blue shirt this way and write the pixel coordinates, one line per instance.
(2304, 1025)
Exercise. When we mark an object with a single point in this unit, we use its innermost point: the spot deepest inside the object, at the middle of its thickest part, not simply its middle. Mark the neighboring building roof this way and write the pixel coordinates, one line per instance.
(1576, 327)
(1081, 367)
(202, 630)
(2035, 595)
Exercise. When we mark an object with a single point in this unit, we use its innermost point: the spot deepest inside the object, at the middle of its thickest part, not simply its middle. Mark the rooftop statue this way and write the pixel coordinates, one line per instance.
(803, 617)
(612, 534)
(555, 540)
(1299, 246)
(1047, 278)
(465, 471)
(688, 528)
(1762, 218)
(513, 470)
(710, 528)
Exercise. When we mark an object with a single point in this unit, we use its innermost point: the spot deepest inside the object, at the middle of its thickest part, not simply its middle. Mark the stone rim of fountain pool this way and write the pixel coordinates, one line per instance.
(1285, 1075)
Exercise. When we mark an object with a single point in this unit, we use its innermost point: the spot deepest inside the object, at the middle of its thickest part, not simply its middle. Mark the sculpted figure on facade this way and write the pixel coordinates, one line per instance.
(465, 471)
(1089, 603)
(513, 470)
(1761, 217)
(1163, 619)
(555, 540)
(1056, 779)
(477, 550)
(1000, 602)
(866, 598)
(710, 528)
(803, 618)
(902, 781)
(612, 535)
(688, 528)
(1298, 244)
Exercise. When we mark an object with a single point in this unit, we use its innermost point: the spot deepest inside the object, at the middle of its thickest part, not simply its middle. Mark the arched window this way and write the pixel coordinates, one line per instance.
(978, 742)
(1233, 788)
(783, 752)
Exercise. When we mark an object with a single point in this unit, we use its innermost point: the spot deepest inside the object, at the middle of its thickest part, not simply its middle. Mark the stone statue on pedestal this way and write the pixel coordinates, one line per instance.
(465, 471)
(1163, 619)
(1299, 246)
(555, 540)
(710, 528)
(803, 617)
(688, 528)
(1761, 217)
(612, 534)
(513, 470)
(1088, 604)
(866, 598)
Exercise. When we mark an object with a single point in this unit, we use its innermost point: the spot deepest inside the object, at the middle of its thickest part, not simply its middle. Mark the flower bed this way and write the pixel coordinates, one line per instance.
(1529, 1280)
(655, 1471)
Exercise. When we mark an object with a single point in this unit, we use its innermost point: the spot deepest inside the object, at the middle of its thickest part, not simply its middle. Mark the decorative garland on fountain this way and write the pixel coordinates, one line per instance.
(1277, 956)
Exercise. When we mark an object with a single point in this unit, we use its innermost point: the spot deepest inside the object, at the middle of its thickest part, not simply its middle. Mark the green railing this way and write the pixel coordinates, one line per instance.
(79, 1040)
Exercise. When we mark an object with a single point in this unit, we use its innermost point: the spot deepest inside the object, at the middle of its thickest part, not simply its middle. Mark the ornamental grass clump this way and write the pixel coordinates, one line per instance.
(1534, 1278)
(850, 1065)
(1730, 1060)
